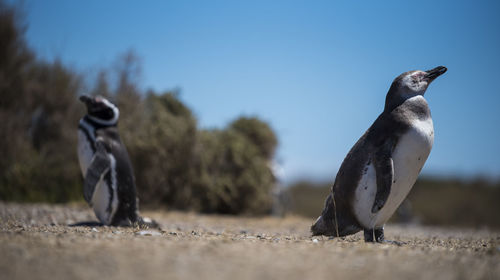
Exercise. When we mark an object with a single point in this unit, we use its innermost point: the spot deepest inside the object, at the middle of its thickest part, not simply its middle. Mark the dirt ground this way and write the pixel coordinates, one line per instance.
(36, 243)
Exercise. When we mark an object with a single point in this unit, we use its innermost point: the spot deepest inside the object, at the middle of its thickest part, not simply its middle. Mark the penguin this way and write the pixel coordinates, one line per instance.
(109, 183)
(380, 169)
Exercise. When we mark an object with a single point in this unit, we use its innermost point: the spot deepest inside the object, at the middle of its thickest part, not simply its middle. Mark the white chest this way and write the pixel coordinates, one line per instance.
(104, 195)
(409, 157)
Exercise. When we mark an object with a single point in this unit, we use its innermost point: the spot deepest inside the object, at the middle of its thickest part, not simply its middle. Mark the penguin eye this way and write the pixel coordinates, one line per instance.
(419, 76)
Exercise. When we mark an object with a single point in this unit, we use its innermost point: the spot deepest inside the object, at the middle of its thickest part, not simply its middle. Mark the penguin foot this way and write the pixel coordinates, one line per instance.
(393, 242)
(145, 222)
(377, 235)
(374, 235)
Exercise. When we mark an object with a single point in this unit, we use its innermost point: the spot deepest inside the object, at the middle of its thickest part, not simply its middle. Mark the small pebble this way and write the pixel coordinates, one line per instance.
(315, 240)
(148, 233)
(95, 230)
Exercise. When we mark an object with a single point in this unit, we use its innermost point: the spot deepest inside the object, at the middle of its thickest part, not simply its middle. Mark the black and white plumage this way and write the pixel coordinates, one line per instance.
(381, 168)
(109, 184)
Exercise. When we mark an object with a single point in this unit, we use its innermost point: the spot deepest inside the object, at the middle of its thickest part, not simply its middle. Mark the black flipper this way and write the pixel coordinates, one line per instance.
(384, 170)
(99, 165)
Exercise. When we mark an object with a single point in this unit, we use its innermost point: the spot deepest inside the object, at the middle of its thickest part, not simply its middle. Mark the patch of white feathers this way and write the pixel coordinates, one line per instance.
(116, 114)
(409, 156)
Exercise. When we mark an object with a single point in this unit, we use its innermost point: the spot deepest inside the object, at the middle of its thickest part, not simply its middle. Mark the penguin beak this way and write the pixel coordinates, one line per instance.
(436, 72)
(85, 99)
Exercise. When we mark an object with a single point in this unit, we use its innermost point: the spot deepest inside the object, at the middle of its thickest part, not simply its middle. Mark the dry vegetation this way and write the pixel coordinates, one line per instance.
(36, 243)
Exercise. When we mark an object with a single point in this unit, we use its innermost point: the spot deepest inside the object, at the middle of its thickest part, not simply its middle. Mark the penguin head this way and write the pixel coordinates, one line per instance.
(410, 84)
(101, 110)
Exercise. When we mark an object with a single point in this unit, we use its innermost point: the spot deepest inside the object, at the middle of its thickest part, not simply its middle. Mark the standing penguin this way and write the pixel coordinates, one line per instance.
(380, 170)
(109, 183)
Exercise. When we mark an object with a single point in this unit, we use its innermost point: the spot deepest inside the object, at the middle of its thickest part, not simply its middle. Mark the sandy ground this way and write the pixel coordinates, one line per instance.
(36, 243)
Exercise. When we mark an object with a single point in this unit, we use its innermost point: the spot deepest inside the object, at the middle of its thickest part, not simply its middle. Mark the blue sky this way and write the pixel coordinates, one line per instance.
(317, 71)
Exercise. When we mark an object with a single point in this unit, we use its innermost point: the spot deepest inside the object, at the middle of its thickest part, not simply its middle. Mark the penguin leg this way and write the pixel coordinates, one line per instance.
(143, 222)
(377, 235)
(374, 235)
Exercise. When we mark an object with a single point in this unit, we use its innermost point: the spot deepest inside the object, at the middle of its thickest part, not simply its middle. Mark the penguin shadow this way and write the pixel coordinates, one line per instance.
(86, 224)
(145, 223)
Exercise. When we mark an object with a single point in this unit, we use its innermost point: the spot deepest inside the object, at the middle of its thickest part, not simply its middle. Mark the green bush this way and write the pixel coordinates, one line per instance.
(162, 150)
(234, 172)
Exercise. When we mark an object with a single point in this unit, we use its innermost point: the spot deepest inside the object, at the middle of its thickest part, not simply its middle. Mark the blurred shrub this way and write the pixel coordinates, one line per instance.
(234, 171)
(257, 132)
(37, 110)
(456, 202)
(307, 198)
(39, 139)
(161, 146)
(177, 166)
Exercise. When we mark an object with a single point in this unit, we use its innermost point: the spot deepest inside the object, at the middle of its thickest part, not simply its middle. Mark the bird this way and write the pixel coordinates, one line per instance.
(109, 182)
(381, 168)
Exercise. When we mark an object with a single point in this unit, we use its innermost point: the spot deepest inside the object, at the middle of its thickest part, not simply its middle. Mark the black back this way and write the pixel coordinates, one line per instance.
(127, 207)
(389, 126)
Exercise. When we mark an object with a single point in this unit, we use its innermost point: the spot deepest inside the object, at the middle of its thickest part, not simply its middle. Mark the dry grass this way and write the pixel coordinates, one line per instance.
(36, 243)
